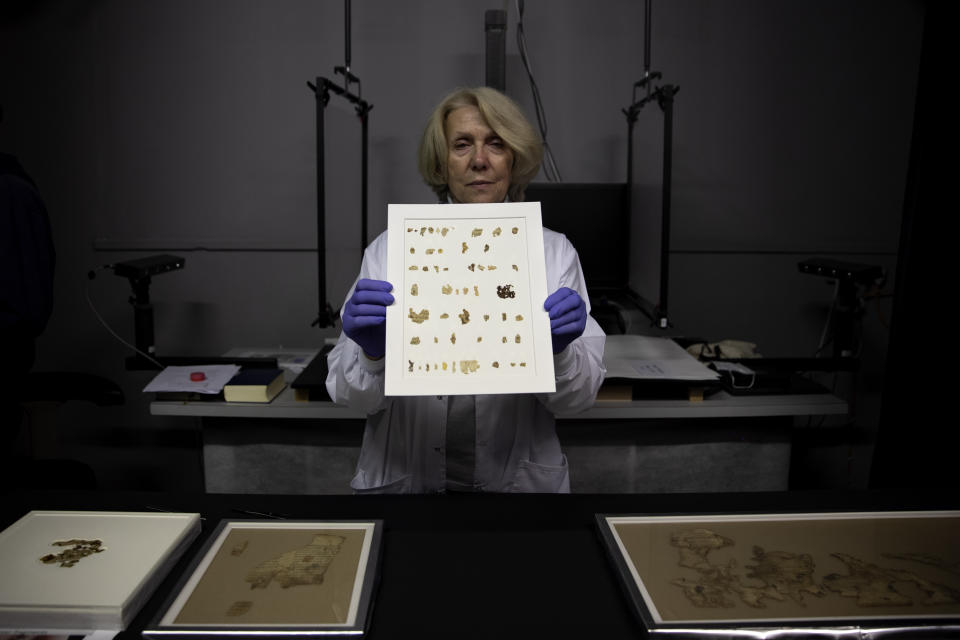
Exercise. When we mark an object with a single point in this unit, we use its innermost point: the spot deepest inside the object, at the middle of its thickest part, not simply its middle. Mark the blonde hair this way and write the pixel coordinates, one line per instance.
(503, 116)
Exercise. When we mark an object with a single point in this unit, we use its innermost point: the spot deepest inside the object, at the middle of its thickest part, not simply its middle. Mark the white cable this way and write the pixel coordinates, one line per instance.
(86, 291)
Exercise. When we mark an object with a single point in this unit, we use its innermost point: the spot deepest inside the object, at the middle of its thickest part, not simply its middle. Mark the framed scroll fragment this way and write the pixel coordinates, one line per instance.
(291, 578)
(817, 573)
(79, 571)
(469, 284)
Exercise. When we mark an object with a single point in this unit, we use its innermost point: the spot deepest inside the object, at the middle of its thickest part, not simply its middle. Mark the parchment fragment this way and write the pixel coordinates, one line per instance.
(304, 566)
(79, 549)
(239, 608)
(419, 318)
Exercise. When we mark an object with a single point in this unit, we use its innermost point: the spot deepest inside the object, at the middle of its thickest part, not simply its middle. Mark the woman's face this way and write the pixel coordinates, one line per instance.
(479, 162)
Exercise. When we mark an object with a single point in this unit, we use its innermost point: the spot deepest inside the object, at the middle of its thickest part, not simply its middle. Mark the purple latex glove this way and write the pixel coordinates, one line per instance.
(365, 316)
(568, 317)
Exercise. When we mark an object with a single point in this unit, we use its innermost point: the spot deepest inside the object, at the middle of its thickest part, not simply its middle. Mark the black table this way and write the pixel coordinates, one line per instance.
(477, 566)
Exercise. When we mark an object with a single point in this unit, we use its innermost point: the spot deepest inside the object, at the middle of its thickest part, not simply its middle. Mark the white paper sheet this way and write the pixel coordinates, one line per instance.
(178, 379)
(469, 283)
(650, 357)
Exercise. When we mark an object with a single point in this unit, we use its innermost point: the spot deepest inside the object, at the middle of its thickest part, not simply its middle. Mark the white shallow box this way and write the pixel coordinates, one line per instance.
(101, 591)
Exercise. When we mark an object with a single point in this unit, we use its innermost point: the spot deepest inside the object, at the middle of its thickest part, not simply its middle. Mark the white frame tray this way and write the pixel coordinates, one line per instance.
(103, 590)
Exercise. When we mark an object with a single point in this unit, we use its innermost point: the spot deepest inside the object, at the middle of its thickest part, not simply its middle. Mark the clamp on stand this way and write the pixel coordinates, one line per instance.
(142, 324)
(139, 273)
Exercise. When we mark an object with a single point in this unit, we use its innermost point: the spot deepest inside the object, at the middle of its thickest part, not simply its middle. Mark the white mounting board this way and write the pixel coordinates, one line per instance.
(478, 272)
(102, 590)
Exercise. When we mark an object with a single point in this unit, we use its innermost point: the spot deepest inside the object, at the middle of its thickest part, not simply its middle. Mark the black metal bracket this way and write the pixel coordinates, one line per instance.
(664, 97)
(142, 323)
(327, 316)
(139, 274)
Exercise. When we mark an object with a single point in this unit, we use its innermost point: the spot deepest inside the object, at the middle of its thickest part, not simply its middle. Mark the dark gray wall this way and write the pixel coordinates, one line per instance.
(187, 127)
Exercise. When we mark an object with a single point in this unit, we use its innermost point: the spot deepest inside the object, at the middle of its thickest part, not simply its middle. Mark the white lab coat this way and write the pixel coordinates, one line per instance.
(517, 449)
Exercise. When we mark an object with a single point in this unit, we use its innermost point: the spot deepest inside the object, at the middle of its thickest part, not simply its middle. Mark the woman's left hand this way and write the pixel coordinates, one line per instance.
(568, 317)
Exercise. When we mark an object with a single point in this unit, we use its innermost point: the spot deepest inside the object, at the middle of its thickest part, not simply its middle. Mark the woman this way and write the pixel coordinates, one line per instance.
(477, 147)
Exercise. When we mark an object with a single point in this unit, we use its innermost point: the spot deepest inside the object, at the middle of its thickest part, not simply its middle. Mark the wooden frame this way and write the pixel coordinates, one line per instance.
(284, 578)
(749, 575)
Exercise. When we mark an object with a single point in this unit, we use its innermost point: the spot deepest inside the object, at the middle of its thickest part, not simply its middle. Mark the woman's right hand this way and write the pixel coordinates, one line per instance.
(365, 316)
